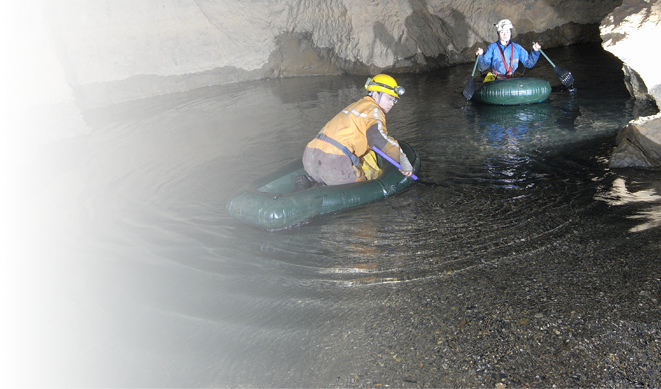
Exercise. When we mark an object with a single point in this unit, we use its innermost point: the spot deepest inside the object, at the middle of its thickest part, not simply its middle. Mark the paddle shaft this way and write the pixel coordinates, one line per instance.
(475, 66)
(545, 56)
(470, 86)
(387, 158)
(565, 76)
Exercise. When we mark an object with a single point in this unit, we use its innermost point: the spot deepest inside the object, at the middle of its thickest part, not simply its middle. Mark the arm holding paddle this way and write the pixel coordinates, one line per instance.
(565, 77)
(378, 139)
(503, 56)
(396, 164)
(405, 165)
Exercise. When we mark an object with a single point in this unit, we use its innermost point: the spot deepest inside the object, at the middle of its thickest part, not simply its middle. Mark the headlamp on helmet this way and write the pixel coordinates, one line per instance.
(504, 24)
(384, 83)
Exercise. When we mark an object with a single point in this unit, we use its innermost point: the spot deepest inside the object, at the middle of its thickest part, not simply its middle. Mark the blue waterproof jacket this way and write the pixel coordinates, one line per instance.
(513, 53)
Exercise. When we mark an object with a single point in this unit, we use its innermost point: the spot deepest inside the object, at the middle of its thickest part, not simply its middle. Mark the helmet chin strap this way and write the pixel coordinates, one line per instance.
(379, 99)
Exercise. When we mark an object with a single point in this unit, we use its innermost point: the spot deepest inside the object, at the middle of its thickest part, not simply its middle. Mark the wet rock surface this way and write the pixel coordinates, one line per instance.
(639, 144)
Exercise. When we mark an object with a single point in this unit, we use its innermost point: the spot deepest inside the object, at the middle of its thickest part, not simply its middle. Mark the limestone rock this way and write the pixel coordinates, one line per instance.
(632, 32)
(635, 84)
(295, 56)
(629, 32)
(639, 144)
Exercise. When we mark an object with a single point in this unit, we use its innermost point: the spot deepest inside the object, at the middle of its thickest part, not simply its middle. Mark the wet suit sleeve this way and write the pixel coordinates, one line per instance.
(485, 60)
(526, 59)
(388, 145)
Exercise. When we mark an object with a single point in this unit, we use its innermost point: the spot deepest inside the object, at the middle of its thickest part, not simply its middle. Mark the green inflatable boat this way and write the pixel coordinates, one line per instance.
(514, 91)
(271, 203)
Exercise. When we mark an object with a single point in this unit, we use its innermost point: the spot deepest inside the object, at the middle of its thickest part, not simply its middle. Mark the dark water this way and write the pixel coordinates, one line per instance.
(137, 276)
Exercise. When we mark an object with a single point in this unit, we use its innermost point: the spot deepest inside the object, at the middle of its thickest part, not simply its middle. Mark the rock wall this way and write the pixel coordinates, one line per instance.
(67, 56)
(631, 32)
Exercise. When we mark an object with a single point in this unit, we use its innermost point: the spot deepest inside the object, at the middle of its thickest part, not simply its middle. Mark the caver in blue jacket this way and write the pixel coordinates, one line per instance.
(504, 60)
(503, 56)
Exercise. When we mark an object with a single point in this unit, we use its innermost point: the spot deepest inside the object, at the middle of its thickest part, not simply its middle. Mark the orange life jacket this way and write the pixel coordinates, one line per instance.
(349, 128)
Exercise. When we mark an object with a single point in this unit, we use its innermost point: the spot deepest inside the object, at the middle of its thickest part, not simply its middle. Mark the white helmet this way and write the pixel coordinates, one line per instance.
(504, 24)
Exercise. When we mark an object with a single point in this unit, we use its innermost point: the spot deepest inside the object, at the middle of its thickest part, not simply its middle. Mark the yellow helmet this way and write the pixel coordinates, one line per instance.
(384, 83)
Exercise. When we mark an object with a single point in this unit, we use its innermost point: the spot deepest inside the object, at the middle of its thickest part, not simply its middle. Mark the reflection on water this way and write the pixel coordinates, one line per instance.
(160, 287)
(618, 194)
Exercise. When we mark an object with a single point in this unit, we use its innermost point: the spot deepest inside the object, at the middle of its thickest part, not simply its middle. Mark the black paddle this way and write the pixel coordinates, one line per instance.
(470, 87)
(565, 77)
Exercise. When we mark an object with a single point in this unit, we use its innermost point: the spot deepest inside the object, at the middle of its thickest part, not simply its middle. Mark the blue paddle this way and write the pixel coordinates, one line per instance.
(398, 166)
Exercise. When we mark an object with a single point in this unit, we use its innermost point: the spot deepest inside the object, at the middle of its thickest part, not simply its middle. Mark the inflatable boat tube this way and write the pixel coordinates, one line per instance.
(514, 91)
(271, 203)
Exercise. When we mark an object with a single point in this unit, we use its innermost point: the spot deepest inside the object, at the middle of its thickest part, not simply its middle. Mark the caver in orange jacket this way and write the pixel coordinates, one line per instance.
(359, 127)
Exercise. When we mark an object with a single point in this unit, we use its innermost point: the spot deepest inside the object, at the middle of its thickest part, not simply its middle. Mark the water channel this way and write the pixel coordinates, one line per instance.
(532, 264)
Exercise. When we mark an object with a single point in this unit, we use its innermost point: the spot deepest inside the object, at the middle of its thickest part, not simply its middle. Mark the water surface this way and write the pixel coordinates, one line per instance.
(138, 277)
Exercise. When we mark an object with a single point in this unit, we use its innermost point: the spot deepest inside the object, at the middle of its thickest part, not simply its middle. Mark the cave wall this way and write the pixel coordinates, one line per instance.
(631, 32)
(63, 57)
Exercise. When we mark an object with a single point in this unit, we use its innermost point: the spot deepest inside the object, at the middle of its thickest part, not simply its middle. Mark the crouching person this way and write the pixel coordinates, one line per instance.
(340, 153)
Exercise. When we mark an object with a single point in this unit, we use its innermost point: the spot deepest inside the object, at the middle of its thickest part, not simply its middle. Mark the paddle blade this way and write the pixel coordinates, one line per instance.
(565, 77)
(469, 89)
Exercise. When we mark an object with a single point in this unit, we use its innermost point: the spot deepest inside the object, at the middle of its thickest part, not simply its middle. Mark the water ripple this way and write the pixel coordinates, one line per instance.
(517, 184)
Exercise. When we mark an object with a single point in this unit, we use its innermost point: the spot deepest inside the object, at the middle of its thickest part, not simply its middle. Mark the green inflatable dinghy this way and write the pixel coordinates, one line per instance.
(514, 91)
(271, 202)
